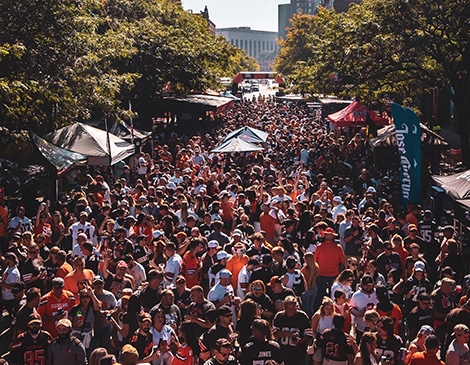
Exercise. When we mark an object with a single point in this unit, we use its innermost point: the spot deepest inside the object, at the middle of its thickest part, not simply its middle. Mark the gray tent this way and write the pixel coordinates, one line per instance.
(236, 145)
(387, 137)
(248, 134)
(92, 142)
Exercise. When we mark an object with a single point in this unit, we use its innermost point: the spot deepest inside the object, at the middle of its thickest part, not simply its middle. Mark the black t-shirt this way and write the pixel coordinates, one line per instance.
(441, 303)
(387, 263)
(185, 299)
(92, 263)
(389, 347)
(263, 301)
(292, 354)
(354, 247)
(257, 353)
(132, 320)
(215, 332)
(150, 297)
(22, 318)
(29, 271)
(278, 298)
(143, 344)
(200, 311)
(334, 344)
(230, 361)
(262, 273)
(417, 318)
(115, 285)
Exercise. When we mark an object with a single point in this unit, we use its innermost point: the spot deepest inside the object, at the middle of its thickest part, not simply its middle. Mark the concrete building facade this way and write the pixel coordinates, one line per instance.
(252, 41)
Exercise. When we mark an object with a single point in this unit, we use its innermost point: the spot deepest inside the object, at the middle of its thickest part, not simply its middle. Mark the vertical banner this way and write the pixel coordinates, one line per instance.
(408, 132)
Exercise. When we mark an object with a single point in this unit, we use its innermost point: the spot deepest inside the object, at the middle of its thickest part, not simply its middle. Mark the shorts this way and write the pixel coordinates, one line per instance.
(318, 355)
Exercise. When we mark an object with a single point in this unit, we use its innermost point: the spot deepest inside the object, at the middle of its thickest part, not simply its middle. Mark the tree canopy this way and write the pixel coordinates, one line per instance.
(385, 46)
(62, 61)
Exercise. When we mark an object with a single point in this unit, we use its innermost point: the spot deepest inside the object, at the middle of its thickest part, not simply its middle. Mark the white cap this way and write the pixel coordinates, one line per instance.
(419, 266)
(371, 189)
(237, 232)
(225, 274)
(337, 199)
(213, 244)
(125, 202)
(158, 233)
(222, 255)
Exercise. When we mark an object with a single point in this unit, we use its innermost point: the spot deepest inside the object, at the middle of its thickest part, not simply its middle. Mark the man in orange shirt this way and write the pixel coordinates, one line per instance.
(64, 267)
(55, 305)
(236, 262)
(268, 224)
(427, 357)
(79, 278)
(329, 256)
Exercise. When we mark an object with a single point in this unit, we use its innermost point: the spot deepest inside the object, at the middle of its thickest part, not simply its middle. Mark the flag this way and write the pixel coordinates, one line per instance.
(408, 133)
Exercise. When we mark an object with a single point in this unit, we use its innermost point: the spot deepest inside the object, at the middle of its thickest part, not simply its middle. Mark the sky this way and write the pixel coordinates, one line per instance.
(257, 14)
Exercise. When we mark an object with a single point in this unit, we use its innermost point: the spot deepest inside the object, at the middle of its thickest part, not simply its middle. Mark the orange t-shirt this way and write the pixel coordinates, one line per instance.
(234, 265)
(64, 270)
(73, 281)
(190, 266)
(49, 306)
(227, 214)
(3, 221)
(267, 224)
(328, 256)
(395, 314)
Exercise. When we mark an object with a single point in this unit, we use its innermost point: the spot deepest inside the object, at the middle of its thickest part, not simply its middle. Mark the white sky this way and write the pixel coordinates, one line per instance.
(257, 14)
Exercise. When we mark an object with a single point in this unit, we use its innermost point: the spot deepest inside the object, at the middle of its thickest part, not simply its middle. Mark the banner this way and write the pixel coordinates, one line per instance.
(409, 150)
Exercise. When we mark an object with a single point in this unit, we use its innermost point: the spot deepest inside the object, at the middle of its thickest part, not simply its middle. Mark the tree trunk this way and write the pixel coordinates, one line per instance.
(462, 116)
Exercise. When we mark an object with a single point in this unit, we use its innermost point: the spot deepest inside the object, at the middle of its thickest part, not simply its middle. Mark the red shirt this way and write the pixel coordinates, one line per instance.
(329, 255)
(49, 306)
(424, 358)
(190, 265)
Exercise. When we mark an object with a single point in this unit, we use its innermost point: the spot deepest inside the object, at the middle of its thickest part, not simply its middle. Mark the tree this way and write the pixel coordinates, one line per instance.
(392, 46)
(68, 60)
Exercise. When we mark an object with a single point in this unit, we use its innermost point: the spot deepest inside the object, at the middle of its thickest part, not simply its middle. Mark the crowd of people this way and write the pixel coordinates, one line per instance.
(298, 254)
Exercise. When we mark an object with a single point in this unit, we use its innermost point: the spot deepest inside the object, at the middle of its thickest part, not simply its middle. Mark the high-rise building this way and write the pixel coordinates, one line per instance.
(287, 11)
(252, 41)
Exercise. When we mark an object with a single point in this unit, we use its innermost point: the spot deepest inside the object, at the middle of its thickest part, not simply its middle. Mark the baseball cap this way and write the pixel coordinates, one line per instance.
(64, 322)
(224, 310)
(275, 280)
(448, 271)
(83, 213)
(11, 256)
(58, 282)
(225, 274)
(222, 255)
(131, 218)
(142, 198)
(237, 232)
(17, 287)
(467, 280)
(367, 280)
(419, 266)
(213, 244)
(34, 318)
(158, 233)
(337, 199)
(122, 264)
(426, 330)
(414, 245)
(125, 203)
(146, 317)
(97, 279)
(371, 189)
(412, 227)
(16, 235)
(129, 354)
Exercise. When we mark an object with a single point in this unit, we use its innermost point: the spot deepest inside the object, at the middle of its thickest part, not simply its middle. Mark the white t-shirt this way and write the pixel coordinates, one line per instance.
(20, 225)
(10, 276)
(142, 166)
(362, 302)
(218, 292)
(243, 282)
(86, 228)
(138, 272)
(173, 266)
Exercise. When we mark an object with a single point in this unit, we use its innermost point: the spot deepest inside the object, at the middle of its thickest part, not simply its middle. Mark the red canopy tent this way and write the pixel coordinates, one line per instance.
(354, 115)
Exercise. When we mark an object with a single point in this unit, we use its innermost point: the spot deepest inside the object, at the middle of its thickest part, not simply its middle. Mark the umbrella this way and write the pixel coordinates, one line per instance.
(236, 145)
(248, 134)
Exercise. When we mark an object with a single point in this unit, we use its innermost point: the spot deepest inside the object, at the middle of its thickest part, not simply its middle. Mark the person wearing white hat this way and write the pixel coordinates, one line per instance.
(338, 207)
(222, 258)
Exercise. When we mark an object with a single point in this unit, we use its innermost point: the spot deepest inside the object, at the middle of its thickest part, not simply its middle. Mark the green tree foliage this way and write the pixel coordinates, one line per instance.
(67, 60)
(240, 61)
(394, 46)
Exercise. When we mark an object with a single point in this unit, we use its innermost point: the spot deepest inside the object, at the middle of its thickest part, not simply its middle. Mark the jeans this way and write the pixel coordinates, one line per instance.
(308, 300)
(103, 337)
(324, 284)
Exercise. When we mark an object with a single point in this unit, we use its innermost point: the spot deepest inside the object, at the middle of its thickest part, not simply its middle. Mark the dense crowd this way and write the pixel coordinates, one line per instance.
(297, 254)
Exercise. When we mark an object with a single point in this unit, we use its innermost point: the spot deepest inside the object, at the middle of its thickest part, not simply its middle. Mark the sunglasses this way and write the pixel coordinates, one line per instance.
(228, 315)
(256, 289)
(353, 265)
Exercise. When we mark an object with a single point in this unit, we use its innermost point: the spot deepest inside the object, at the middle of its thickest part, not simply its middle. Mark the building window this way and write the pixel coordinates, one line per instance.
(236, 42)
(246, 46)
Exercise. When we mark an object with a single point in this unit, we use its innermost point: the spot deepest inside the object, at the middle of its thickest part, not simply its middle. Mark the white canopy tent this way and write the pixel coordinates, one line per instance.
(248, 134)
(93, 143)
(236, 145)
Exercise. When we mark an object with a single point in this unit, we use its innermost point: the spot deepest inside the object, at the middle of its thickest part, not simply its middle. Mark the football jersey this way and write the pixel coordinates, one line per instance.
(389, 347)
(50, 306)
(86, 228)
(31, 351)
(257, 353)
(334, 344)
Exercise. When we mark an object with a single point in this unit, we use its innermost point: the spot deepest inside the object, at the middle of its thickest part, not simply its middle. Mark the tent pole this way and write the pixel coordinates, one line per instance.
(108, 147)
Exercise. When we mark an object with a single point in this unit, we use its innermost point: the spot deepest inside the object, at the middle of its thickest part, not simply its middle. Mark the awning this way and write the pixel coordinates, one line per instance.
(120, 129)
(248, 134)
(201, 103)
(457, 186)
(92, 142)
(386, 137)
(58, 157)
(236, 145)
(355, 115)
